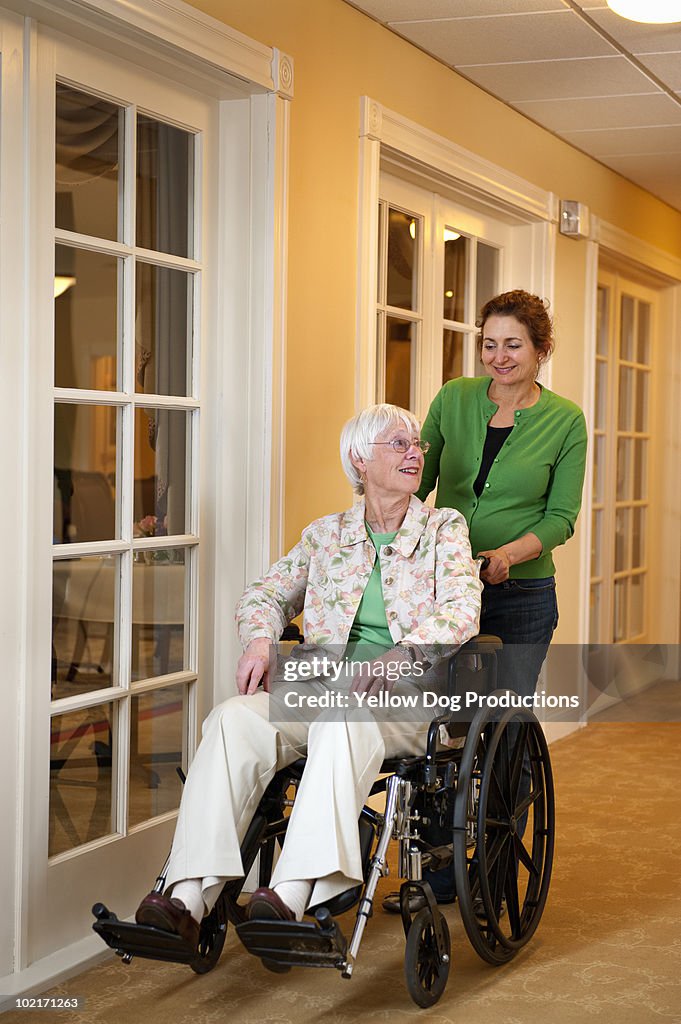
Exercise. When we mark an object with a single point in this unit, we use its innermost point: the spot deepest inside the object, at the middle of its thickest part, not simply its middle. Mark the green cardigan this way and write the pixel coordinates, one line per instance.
(535, 482)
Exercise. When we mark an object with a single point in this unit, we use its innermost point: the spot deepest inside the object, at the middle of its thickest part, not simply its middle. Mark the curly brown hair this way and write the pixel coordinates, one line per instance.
(530, 310)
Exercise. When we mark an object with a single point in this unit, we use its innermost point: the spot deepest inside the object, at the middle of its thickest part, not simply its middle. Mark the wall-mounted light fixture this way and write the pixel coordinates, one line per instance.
(574, 219)
(652, 12)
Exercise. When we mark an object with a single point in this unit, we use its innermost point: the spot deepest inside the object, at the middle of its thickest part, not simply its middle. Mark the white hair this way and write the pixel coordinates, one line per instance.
(358, 434)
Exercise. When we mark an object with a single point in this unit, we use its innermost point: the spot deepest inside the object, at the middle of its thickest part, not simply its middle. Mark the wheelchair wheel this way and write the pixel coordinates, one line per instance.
(425, 973)
(211, 939)
(503, 831)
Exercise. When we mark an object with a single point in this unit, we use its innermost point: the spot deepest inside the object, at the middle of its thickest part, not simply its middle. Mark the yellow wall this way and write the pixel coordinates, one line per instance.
(340, 55)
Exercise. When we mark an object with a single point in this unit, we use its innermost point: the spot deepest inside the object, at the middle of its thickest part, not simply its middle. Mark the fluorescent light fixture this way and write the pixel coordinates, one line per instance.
(451, 236)
(652, 12)
(62, 284)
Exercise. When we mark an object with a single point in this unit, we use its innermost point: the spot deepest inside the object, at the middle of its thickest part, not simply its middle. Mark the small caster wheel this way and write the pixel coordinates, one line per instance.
(425, 973)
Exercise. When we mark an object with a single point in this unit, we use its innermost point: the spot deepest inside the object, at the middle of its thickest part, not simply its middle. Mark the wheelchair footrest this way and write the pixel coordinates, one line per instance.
(296, 944)
(129, 939)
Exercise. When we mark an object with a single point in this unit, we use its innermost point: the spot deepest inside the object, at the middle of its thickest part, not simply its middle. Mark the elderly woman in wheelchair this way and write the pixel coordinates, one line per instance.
(394, 578)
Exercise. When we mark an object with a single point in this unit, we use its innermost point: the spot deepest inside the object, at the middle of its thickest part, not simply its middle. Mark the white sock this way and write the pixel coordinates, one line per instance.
(189, 891)
(295, 895)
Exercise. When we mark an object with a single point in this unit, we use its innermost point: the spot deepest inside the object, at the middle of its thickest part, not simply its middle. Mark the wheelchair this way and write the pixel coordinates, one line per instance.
(493, 800)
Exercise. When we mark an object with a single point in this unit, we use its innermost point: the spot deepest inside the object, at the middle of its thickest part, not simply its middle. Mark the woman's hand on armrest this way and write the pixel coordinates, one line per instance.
(253, 667)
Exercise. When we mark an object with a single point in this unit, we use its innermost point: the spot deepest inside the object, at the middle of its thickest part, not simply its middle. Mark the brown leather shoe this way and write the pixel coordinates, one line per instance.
(265, 905)
(170, 915)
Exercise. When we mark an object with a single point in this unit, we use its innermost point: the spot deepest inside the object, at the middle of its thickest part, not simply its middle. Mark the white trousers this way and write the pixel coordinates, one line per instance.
(239, 754)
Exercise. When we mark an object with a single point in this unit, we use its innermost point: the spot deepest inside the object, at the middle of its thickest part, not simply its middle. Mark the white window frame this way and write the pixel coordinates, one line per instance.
(393, 143)
(178, 41)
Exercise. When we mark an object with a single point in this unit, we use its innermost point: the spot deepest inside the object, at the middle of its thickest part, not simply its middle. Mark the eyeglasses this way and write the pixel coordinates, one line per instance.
(401, 445)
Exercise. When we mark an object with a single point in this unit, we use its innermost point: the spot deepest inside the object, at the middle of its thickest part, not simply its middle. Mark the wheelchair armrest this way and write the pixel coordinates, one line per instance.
(484, 643)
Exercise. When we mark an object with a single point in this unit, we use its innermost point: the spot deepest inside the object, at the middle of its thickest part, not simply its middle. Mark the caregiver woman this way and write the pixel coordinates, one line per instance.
(510, 455)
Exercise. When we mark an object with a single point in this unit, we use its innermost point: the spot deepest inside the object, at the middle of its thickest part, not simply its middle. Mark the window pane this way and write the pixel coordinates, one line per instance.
(85, 319)
(638, 537)
(84, 473)
(643, 347)
(636, 605)
(640, 479)
(381, 255)
(88, 163)
(456, 274)
(599, 468)
(85, 596)
(642, 381)
(156, 744)
(403, 239)
(627, 328)
(602, 322)
(81, 798)
(624, 449)
(486, 276)
(163, 330)
(620, 623)
(601, 394)
(165, 187)
(452, 355)
(625, 417)
(622, 531)
(595, 613)
(160, 472)
(158, 612)
(398, 361)
(596, 541)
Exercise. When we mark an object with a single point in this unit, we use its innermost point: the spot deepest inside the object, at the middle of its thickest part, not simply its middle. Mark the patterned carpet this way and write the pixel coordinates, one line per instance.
(608, 948)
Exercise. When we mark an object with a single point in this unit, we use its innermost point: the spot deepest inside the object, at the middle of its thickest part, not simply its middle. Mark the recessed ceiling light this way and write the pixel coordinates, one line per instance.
(652, 12)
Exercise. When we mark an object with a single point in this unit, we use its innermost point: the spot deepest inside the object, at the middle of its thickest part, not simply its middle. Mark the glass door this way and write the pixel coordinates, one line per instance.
(128, 158)
(622, 441)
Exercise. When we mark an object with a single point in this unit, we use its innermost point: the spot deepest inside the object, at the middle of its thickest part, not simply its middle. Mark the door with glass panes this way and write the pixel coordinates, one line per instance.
(620, 506)
(127, 163)
(437, 264)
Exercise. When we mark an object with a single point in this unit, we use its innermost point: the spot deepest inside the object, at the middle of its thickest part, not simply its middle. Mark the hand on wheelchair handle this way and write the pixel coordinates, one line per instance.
(253, 667)
(494, 565)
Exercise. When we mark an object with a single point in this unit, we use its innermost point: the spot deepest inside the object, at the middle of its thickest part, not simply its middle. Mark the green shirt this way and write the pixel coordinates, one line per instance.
(535, 482)
(370, 629)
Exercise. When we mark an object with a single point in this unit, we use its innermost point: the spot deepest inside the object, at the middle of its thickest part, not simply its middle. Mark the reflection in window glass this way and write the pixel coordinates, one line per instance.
(596, 520)
(622, 532)
(158, 612)
(84, 473)
(160, 472)
(640, 482)
(599, 468)
(638, 537)
(624, 447)
(642, 380)
(452, 355)
(455, 280)
(165, 187)
(81, 798)
(162, 330)
(85, 599)
(156, 744)
(625, 417)
(398, 361)
(487, 275)
(403, 240)
(636, 605)
(85, 319)
(87, 163)
(602, 322)
(620, 616)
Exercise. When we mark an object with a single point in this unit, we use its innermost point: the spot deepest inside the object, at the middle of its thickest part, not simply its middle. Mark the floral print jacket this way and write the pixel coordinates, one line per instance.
(430, 583)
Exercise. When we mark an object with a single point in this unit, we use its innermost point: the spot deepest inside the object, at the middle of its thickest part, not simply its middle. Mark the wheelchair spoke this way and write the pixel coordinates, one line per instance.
(517, 760)
(531, 798)
(512, 901)
(524, 856)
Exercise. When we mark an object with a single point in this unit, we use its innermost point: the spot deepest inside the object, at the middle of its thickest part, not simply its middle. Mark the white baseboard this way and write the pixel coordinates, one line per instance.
(60, 966)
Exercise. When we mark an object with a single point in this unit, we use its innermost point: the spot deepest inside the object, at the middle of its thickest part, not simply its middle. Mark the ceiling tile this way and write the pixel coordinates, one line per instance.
(609, 112)
(666, 66)
(556, 79)
(660, 175)
(627, 141)
(637, 37)
(422, 10)
(519, 37)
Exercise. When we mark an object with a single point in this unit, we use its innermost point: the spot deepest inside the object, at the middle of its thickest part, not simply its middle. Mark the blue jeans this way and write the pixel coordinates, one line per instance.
(524, 615)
